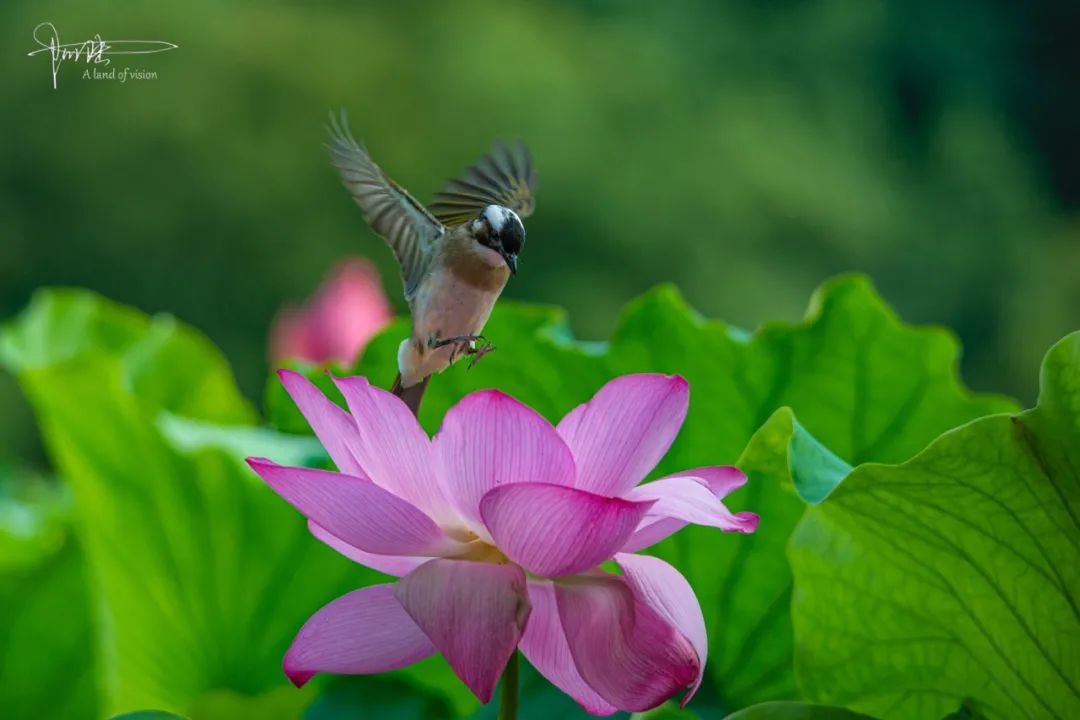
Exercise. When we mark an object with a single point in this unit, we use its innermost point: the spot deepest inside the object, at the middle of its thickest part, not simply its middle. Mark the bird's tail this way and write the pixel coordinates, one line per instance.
(411, 395)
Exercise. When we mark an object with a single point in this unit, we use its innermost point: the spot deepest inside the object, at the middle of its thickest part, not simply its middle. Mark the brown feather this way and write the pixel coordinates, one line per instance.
(462, 260)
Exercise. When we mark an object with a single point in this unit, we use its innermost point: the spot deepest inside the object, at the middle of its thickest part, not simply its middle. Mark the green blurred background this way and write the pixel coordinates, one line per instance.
(742, 150)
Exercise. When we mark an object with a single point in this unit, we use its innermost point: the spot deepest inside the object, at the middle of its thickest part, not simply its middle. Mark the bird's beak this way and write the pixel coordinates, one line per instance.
(511, 261)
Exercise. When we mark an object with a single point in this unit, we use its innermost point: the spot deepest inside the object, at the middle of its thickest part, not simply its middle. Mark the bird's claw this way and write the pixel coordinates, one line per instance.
(479, 352)
(463, 344)
(435, 342)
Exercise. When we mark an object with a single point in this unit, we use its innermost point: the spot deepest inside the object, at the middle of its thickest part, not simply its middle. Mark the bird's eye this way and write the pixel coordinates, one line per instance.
(481, 228)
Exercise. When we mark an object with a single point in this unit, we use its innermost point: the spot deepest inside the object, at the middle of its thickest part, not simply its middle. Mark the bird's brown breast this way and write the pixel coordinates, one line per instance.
(462, 259)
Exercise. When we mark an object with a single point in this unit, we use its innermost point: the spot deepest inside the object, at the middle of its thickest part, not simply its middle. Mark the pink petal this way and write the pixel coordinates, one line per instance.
(652, 530)
(554, 530)
(692, 496)
(623, 648)
(365, 631)
(665, 590)
(721, 479)
(357, 510)
(491, 439)
(396, 565)
(332, 425)
(622, 432)
(544, 644)
(393, 449)
(474, 613)
(690, 499)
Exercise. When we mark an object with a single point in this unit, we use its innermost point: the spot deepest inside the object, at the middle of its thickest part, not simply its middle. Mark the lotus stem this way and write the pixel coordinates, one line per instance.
(508, 694)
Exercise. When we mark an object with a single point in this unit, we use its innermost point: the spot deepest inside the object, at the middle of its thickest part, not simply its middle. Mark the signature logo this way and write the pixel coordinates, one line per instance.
(92, 51)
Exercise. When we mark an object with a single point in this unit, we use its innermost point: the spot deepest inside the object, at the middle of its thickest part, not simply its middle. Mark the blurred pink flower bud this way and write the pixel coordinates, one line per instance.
(339, 319)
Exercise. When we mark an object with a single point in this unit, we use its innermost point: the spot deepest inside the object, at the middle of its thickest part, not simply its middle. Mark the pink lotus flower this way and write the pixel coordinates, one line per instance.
(496, 528)
(345, 312)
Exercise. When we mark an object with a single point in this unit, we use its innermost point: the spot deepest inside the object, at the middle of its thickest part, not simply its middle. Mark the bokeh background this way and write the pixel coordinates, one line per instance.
(742, 150)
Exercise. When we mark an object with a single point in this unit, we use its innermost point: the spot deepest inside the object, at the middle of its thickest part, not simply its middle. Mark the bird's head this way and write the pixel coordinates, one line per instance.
(500, 229)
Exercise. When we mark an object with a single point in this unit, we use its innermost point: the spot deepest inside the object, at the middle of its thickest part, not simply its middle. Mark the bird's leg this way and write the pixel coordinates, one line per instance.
(462, 344)
(457, 350)
(435, 343)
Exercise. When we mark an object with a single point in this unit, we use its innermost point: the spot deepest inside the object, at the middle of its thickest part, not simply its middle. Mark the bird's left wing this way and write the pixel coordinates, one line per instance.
(505, 176)
(406, 225)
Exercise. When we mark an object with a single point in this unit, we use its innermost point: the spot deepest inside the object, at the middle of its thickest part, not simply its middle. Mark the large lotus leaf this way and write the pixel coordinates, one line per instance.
(199, 574)
(168, 366)
(952, 579)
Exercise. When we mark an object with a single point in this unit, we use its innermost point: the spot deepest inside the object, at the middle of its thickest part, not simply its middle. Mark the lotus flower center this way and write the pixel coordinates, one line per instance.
(480, 551)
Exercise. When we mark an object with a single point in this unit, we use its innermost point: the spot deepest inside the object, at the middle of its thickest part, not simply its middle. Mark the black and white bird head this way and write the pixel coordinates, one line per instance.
(500, 229)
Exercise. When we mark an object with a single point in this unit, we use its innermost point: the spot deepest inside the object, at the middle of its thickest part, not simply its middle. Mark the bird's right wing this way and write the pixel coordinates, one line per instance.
(405, 224)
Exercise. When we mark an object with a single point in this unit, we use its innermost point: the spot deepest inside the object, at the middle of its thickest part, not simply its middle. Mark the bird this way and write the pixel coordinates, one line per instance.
(455, 255)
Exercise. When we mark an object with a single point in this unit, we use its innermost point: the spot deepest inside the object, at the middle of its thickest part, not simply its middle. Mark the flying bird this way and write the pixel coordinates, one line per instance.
(456, 255)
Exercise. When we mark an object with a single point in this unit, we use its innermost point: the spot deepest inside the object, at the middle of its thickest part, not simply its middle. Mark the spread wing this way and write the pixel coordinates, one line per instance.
(407, 227)
(505, 176)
